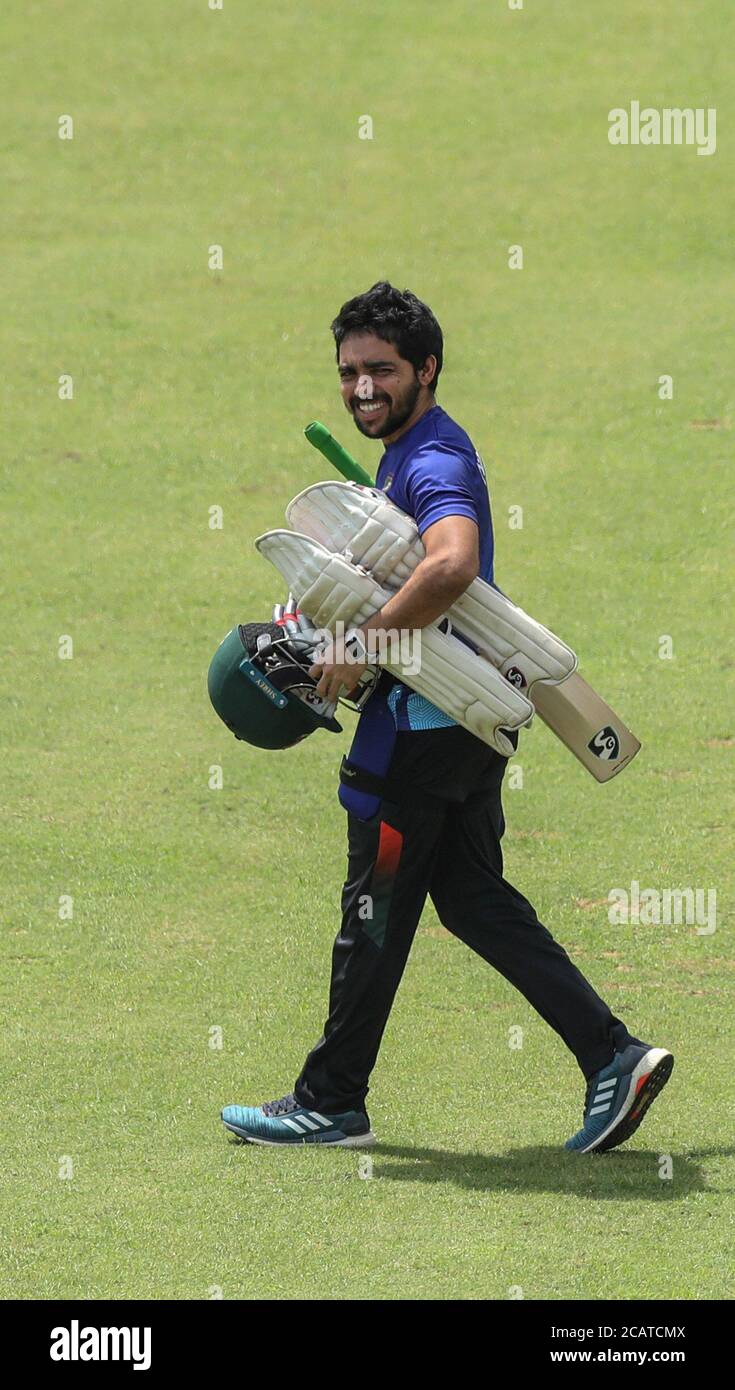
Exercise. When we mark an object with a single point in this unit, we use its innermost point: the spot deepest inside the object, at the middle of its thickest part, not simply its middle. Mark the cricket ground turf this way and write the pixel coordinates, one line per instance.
(167, 939)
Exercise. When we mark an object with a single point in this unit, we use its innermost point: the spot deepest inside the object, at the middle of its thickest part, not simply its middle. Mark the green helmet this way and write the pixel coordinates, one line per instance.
(261, 688)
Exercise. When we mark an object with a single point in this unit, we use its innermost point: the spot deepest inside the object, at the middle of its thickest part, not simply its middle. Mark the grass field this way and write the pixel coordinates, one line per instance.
(195, 909)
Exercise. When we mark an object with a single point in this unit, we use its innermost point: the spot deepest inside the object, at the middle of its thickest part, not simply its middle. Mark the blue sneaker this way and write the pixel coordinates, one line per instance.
(618, 1097)
(286, 1122)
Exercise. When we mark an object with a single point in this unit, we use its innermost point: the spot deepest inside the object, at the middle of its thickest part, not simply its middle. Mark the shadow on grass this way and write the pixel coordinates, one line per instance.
(614, 1175)
(618, 1175)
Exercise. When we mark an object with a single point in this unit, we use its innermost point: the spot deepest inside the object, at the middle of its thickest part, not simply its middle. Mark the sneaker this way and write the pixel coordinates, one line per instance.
(286, 1122)
(618, 1097)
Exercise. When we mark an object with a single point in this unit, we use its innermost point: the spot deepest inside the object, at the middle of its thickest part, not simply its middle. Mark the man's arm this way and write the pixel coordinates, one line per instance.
(451, 563)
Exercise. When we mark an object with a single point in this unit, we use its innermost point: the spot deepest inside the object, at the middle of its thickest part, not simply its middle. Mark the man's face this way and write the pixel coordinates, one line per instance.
(380, 389)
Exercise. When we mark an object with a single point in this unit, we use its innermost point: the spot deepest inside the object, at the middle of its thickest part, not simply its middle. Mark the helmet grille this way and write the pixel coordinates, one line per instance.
(250, 632)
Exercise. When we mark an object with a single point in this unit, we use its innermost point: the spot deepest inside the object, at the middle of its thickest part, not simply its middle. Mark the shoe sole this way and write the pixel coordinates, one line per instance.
(647, 1081)
(350, 1141)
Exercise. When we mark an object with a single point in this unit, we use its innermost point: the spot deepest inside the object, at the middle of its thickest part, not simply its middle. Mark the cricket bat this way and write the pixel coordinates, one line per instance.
(579, 717)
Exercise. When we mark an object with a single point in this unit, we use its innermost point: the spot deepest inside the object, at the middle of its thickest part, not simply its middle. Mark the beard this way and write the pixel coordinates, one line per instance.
(399, 411)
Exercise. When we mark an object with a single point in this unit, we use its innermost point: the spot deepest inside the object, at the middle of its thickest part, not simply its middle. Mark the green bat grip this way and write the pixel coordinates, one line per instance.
(318, 435)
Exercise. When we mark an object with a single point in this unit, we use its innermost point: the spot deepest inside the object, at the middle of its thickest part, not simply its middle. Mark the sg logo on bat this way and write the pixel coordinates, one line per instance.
(605, 744)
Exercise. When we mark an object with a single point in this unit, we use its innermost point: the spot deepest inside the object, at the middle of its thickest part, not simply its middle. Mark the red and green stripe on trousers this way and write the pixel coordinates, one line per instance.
(382, 881)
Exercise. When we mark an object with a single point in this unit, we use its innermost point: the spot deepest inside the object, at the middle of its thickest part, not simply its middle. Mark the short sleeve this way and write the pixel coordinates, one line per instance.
(439, 485)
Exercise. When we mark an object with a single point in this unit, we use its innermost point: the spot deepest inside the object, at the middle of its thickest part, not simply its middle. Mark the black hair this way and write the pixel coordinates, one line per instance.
(397, 317)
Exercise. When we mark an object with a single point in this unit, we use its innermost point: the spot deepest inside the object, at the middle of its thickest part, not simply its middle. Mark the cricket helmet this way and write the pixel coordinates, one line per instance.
(260, 687)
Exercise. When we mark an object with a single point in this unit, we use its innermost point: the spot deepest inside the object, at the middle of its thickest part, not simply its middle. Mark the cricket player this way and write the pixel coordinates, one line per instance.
(422, 794)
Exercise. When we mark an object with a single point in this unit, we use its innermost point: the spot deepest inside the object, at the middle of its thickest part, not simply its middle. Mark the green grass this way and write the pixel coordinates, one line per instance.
(195, 908)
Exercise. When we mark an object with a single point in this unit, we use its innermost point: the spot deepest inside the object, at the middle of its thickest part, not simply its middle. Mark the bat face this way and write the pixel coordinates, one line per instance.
(587, 725)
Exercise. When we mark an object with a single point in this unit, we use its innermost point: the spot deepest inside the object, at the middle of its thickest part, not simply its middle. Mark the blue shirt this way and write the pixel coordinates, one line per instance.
(431, 472)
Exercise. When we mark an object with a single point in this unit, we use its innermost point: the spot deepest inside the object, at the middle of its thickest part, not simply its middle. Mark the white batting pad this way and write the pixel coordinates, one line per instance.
(512, 640)
(362, 522)
(329, 588)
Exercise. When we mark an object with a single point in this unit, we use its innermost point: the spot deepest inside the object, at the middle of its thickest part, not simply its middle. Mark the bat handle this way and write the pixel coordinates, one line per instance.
(318, 435)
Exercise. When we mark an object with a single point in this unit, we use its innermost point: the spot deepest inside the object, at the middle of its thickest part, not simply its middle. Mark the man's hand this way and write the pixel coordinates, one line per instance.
(334, 674)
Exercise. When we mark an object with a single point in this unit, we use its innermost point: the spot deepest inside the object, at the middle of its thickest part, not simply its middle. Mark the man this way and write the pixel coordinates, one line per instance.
(423, 794)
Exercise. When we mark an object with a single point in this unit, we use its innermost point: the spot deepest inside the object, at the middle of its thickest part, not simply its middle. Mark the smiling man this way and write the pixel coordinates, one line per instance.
(422, 794)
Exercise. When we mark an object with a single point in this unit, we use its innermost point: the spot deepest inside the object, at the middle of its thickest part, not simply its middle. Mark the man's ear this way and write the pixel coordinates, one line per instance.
(428, 372)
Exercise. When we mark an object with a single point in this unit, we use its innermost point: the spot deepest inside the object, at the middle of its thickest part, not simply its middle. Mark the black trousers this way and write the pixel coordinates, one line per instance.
(441, 839)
